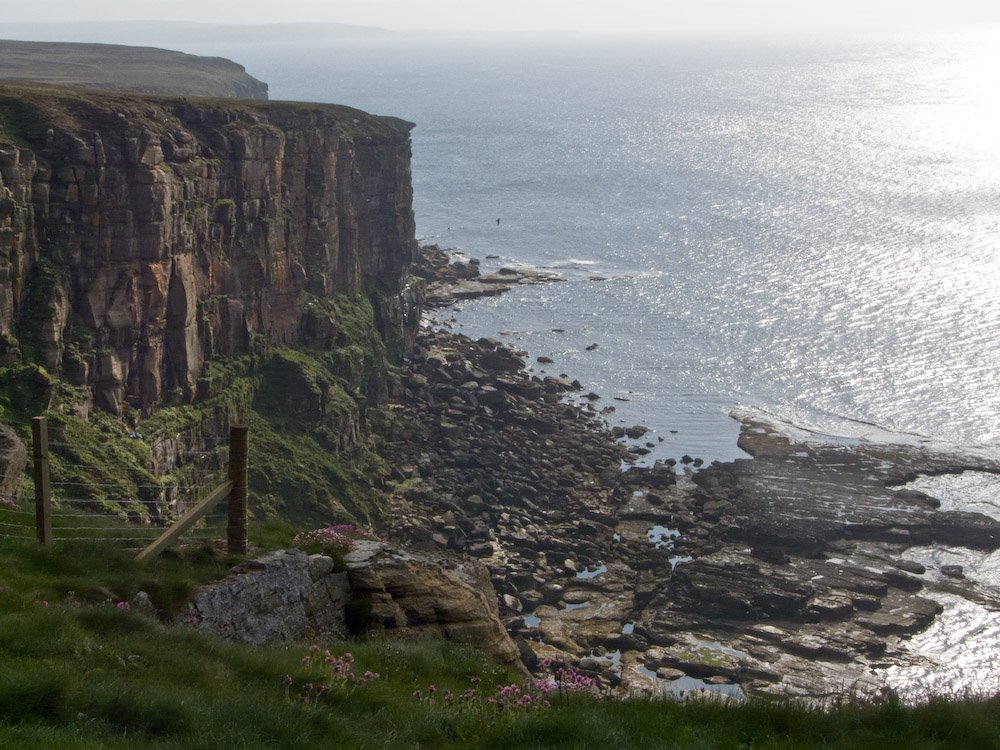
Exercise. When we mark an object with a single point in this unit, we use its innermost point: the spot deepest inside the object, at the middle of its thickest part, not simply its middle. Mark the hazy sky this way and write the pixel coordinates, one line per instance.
(507, 15)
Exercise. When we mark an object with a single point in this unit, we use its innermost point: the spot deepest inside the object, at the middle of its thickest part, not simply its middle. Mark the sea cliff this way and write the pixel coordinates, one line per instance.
(187, 263)
(141, 237)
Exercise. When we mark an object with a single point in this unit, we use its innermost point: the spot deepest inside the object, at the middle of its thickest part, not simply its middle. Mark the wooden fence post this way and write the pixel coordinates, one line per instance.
(43, 498)
(236, 533)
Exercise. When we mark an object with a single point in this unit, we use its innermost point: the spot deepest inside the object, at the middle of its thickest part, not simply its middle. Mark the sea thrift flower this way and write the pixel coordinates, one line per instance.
(339, 538)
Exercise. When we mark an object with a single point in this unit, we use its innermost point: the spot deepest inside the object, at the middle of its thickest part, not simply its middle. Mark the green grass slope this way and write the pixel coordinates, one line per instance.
(79, 670)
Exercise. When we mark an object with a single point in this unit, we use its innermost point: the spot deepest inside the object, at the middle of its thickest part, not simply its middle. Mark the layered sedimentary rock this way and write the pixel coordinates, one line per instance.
(141, 237)
(419, 596)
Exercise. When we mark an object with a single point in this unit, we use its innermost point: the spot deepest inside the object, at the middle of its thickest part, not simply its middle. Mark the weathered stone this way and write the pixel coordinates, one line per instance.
(953, 571)
(162, 270)
(272, 600)
(320, 566)
(669, 673)
(415, 596)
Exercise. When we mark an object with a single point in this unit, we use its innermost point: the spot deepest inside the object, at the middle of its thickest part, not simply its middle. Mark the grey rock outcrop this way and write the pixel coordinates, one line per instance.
(289, 596)
(284, 596)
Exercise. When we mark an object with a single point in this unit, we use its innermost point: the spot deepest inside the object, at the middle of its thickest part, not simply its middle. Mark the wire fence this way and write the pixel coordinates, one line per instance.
(116, 504)
(82, 519)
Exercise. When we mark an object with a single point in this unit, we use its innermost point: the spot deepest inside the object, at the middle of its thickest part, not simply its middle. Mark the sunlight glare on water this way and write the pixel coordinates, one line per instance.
(810, 229)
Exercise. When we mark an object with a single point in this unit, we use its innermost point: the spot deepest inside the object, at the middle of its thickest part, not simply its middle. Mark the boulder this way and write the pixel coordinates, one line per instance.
(416, 596)
(284, 596)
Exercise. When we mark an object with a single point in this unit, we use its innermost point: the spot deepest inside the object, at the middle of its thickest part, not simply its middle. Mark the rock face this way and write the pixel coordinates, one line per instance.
(291, 596)
(420, 596)
(141, 237)
(285, 596)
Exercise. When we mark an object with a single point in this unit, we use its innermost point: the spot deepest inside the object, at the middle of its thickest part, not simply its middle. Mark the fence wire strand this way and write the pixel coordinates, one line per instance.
(159, 487)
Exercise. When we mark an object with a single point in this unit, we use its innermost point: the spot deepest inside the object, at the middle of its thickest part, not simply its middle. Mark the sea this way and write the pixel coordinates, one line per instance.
(801, 230)
(805, 228)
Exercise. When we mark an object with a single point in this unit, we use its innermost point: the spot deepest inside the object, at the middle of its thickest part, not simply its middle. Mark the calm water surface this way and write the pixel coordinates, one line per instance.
(809, 229)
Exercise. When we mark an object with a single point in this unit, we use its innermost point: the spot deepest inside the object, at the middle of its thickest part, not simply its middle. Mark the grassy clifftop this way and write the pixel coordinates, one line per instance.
(114, 67)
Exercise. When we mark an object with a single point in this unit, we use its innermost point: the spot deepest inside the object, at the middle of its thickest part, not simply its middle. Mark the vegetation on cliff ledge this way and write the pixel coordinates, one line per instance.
(312, 459)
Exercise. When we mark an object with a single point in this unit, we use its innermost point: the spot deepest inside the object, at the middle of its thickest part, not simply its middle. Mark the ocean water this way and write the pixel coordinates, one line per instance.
(809, 229)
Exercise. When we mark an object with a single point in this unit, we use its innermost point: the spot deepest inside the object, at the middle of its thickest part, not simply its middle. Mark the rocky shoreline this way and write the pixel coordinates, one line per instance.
(785, 574)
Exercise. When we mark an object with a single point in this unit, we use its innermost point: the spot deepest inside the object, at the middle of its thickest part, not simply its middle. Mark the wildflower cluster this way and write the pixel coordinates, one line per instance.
(9, 502)
(535, 694)
(332, 673)
(331, 539)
